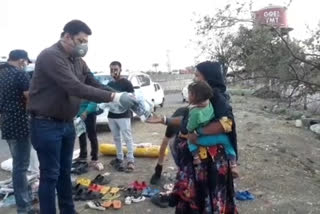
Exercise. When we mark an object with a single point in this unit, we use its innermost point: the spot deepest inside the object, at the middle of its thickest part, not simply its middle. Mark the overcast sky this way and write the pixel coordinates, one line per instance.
(136, 32)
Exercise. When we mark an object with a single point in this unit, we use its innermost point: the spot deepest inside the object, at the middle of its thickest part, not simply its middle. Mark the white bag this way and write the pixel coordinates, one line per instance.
(80, 126)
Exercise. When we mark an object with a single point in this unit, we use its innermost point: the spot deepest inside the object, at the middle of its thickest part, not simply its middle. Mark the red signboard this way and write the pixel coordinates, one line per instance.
(274, 16)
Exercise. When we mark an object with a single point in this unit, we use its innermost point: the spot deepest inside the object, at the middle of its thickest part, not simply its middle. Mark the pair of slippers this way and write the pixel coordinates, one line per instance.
(136, 199)
(149, 192)
(116, 204)
(244, 196)
(160, 200)
(84, 182)
(79, 168)
(85, 195)
(133, 195)
(139, 186)
(102, 179)
(111, 196)
(96, 205)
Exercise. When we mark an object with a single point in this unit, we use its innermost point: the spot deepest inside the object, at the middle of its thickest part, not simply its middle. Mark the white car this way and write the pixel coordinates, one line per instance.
(142, 84)
(184, 93)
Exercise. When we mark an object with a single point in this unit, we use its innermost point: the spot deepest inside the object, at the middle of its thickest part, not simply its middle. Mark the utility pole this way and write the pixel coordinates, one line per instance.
(168, 61)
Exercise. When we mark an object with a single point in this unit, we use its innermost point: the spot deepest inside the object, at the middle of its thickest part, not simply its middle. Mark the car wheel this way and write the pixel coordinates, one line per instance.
(162, 104)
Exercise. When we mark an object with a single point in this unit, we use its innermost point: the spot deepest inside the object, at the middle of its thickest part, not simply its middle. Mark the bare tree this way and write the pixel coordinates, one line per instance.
(155, 65)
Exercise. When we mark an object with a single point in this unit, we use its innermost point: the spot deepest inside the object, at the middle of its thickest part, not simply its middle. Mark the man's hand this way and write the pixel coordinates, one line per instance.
(155, 119)
(193, 138)
(125, 100)
(84, 116)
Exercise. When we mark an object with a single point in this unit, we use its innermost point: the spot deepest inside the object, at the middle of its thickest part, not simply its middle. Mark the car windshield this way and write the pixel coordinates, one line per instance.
(105, 79)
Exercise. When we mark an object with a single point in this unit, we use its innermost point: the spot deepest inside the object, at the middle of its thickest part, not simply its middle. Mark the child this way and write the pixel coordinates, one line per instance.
(201, 112)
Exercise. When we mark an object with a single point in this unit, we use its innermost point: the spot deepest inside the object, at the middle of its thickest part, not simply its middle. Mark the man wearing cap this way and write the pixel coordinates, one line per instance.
(14, 86)
(60, 80)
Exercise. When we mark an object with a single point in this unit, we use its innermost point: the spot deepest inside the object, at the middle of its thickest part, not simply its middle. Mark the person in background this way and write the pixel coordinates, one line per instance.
(120, 123)
(14, 87)
(88, 113)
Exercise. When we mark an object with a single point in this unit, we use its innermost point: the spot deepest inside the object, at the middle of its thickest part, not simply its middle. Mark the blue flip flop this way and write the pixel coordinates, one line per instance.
(244, 196)
(149, 192)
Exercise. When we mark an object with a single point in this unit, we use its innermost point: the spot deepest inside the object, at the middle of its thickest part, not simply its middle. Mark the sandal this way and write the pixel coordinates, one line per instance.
(101, 179)
(105, 189)
(137, 199)
(244, 196)
(80, 169)
(130, 167)
(114, 190)
(117, 204)
(96, 205)
(117, 165)
(110, 196)
(77, 187)
(95, 188)
(139, 186)
(84, 182)
(79, 195)
(134, 185)
(97, 165)
(148, 192)
(143, 185)
(128, 200)
(160, 200)
(107, 204)
(90, 195)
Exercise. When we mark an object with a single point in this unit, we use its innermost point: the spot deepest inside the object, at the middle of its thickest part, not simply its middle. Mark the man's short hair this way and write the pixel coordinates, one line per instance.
(76, 26)
(116, 63)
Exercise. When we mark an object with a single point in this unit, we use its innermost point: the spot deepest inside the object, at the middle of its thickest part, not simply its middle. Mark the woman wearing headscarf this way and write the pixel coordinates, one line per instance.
(207, 188)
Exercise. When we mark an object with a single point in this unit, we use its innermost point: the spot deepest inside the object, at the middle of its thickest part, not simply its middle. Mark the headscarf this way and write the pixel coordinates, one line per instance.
(212, 73)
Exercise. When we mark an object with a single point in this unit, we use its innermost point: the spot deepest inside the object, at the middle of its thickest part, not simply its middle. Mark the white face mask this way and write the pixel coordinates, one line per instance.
(24, 65)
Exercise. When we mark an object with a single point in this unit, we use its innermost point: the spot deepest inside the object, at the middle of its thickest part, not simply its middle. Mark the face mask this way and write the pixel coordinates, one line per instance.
(116, 74)
(24, 65)
(80, 50)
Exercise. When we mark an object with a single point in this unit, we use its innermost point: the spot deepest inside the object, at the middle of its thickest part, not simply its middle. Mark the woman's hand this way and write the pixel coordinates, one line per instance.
(155, 119)
(193, 138)
(84, 116)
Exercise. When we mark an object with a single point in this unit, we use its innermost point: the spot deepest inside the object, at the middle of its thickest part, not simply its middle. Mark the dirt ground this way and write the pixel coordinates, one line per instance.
(279, 163)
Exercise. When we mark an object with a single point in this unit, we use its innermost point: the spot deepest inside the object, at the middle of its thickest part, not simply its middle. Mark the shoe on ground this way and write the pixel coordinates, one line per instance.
(117, 164)
(160, 200)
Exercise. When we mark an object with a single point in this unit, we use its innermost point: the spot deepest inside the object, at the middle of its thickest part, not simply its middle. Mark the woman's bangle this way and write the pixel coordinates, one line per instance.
(168, 121)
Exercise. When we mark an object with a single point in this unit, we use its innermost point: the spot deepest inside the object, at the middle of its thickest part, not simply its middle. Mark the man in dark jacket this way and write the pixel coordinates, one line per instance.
(14, 86)
(60, 80)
